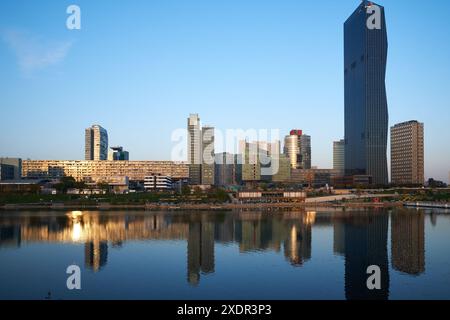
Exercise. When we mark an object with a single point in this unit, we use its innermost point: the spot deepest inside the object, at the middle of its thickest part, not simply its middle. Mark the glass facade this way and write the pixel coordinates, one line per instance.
(305, 151)
(366, 110)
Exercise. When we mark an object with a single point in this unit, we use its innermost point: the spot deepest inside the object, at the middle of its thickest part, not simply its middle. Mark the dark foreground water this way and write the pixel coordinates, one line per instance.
(225, 255)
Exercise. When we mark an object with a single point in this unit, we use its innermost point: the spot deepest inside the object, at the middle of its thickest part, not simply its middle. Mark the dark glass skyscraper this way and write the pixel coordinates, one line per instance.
(366, 110)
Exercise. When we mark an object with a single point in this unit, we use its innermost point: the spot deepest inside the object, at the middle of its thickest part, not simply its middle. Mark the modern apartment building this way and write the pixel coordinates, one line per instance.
(339, 156)
(407, 153)
(208, 156)
(96, 143)
(118, 154)
(366, 108)
(158, 182)
(255, 158)
(12, 168)
(99, 171)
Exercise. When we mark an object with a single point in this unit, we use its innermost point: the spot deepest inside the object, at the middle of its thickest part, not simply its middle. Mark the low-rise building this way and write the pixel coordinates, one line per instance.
(352, 181)
(158, 182)
(271, 196)
(16, 164)
(118, 154)
(6, 172)
(20, 186)
(313, 177)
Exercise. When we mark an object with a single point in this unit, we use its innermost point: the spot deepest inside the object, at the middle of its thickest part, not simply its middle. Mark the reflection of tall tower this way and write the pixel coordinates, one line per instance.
(339, 237)
(193, 253)
(366, 245)
(251, 236)
(96, 254)
(200, 250)
(207, 247)
(297, 247)
(10, 236)
(408, 242)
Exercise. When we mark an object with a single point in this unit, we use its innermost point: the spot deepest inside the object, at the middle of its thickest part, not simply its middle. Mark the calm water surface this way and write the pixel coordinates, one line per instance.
(225, 255)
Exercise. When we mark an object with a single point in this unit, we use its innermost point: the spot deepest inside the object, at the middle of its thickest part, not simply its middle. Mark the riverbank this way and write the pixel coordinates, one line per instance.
(208, 207)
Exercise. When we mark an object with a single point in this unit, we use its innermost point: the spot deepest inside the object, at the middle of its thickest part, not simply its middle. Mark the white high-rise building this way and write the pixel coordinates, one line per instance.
(292, 150)
(96, 143)
(339, 156)
(194, 149)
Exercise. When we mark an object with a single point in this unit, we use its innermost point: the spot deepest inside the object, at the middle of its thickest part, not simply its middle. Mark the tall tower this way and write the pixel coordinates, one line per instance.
(300, 154)
(366, 109)
(292, 150)
(96, 143)
(194, 149)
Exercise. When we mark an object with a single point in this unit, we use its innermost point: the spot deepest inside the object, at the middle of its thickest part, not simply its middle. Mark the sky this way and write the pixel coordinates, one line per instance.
(139, 68)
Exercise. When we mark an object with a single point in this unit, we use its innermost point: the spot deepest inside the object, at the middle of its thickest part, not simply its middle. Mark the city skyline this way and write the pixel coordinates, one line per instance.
(292, 90)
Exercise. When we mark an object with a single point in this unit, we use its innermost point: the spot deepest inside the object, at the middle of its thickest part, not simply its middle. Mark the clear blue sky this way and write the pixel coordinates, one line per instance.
(139, 68)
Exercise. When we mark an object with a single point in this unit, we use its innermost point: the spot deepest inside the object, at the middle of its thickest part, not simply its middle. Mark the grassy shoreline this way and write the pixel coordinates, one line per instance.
(209, 207)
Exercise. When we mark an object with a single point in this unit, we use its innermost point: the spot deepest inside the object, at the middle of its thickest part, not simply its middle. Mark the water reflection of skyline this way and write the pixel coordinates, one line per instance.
(361, 238)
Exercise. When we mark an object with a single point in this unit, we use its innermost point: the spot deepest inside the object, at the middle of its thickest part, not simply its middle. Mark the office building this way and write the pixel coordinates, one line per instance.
(407, 153)
(158, 182)
(279, 169)
(339, 156)
(208, 156)
(14, 164)
(250, 166)
(225, 169)
(305, 151)
(96, 143)
(297, 146)
(118, 154)
(256, 159)
(292, 150)
(366, 109)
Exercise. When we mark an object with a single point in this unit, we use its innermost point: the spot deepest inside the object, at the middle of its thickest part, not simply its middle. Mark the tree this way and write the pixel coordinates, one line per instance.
(185, 190)
(103, 186)
(65, 183)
